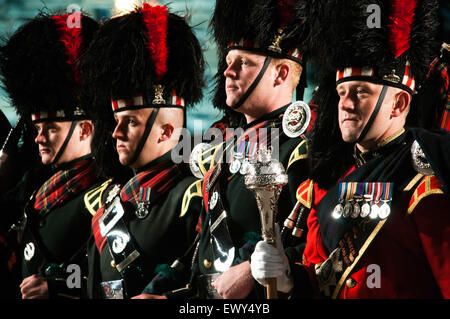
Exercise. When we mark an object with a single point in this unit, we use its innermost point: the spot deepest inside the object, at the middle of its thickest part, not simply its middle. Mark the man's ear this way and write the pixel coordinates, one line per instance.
(282, 73)
(402, 100)
(166, 132)
(86, 129)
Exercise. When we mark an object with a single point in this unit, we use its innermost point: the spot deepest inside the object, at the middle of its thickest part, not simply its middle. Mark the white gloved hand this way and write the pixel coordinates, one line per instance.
(271, 262)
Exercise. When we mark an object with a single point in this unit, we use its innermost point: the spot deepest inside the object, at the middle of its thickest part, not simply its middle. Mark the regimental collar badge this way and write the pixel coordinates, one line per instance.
(419, 160)
(296, 119)
(194, 159)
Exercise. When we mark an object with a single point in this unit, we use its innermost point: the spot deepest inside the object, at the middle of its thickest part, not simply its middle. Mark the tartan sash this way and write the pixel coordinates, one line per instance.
(441, 68)
(64, 185)
(100, 241)
(159, 178)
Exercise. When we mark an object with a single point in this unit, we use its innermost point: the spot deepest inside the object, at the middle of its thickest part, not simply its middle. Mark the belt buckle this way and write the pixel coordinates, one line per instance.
(113, 289)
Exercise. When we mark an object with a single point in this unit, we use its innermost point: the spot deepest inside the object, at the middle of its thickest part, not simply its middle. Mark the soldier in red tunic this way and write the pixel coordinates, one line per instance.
(378, 197)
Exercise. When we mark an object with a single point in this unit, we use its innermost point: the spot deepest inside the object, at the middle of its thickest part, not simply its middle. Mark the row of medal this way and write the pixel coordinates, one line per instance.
(371, 200)
(241, 158)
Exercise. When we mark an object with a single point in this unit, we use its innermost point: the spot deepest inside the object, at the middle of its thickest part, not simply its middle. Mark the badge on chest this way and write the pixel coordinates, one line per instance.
(143, 203)
(112, 215)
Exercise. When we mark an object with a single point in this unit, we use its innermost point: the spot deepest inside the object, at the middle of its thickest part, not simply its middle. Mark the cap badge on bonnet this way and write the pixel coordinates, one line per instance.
(392, 77)
(159, 91)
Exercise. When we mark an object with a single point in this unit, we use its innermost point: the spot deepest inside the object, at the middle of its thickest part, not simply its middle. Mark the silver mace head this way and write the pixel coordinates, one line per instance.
(265, 178)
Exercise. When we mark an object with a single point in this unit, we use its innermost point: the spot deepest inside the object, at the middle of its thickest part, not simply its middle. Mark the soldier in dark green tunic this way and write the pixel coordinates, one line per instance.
(260, 64)
(146, 66)
(40, 74)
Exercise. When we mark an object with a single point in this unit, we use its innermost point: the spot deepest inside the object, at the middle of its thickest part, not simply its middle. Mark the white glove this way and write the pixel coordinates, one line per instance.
(271, 262)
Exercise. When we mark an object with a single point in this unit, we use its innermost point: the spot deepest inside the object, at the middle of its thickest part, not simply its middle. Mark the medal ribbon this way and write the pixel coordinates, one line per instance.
(258, 135)
(371, 191)
(144, 194)
(354, 188)
(342, 192)
(360, 189)
(241, 147)
(252, 147)
(377, 192)
(348, 191)
(387, 192)
(368, 189)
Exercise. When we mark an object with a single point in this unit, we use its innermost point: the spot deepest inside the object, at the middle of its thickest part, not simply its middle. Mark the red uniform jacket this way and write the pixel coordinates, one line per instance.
(408, 258)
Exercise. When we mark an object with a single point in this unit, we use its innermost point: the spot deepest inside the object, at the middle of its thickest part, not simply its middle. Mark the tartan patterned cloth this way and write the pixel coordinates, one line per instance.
(100, 241)
(159, 178)
(222, 125)
(64, 185)
(440, 67)
(445, 120)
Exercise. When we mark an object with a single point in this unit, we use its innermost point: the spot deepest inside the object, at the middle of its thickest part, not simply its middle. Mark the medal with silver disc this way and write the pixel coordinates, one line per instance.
(339, 208)
(296, 119)
(357, 199)
(236, 163)
(385, 211)
(337, 211)
(356, 208)
(348, 209)
(245, 166)
(143, 203)
(374, 209)
(385, 208)
(365, 208)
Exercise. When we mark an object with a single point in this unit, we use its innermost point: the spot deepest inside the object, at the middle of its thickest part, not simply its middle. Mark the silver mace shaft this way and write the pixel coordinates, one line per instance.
(265, 179)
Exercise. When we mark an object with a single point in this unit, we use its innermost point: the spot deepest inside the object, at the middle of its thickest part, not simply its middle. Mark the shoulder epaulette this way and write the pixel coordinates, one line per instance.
(305, 193)
(93, 198)
(300, 152)
(429, 185)
(208, 158)
(194, 190)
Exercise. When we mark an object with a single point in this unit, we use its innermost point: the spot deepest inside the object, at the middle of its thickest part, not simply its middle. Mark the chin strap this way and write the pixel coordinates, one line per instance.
(73, 125)
(254, 84)
(374, 114)
(148, 128)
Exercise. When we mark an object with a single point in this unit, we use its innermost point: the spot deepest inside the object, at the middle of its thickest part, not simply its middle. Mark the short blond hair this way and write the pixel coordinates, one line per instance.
(295, 70)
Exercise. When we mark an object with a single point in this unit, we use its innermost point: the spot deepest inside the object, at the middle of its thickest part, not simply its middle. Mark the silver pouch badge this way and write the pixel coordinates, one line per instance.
(113, 289)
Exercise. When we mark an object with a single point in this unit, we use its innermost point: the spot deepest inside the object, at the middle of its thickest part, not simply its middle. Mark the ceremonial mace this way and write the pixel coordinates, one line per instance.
(265, 178)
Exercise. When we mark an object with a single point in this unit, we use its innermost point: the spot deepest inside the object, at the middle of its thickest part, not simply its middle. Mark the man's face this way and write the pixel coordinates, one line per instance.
(357, 100)
(50, 137)
(243, 68)
(129, 129)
